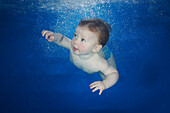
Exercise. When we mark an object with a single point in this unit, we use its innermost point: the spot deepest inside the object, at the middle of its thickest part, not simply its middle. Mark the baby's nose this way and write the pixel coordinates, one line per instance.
(77, 41)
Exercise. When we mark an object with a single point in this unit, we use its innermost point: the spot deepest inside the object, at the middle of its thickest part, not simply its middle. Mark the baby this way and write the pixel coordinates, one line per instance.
(88, 51)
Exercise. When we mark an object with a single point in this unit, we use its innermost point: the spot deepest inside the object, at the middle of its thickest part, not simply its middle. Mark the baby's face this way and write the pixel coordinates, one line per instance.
(84, 41)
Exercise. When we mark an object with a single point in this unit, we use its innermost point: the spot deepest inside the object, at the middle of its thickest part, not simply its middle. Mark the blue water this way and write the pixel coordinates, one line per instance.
(37, 77)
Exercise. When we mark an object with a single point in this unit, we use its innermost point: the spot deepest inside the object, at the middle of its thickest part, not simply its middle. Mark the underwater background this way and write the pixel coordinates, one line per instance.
(37, 77)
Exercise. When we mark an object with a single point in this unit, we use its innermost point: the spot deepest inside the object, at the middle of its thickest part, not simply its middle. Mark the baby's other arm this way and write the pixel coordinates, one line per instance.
(57, 38)
(111, 77)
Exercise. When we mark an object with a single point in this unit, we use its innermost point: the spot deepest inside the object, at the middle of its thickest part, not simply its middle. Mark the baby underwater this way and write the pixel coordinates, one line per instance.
(88, 51)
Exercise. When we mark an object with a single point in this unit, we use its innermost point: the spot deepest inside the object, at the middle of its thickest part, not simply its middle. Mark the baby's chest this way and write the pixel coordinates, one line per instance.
(88, 66)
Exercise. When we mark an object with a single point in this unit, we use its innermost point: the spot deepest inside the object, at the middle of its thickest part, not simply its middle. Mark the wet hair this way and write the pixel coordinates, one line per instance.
(100, 27)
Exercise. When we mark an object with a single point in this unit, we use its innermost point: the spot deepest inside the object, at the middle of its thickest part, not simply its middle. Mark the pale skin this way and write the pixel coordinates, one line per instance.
(84, 48)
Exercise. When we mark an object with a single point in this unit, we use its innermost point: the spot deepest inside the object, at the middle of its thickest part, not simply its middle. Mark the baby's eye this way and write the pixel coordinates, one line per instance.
(83, 40)
(75, 35)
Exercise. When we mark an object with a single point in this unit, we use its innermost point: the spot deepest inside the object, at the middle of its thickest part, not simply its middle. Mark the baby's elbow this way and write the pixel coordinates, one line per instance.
(117, 76)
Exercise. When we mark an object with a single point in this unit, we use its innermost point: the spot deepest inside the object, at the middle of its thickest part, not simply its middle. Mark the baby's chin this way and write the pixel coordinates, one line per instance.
(78, 53)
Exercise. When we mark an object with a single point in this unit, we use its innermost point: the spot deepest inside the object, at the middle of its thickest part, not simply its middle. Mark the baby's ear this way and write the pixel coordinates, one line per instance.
(97, 48)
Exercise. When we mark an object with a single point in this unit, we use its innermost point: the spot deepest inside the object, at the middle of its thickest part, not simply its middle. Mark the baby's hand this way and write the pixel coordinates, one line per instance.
(98, 85)
(52, 37)
(48, 35)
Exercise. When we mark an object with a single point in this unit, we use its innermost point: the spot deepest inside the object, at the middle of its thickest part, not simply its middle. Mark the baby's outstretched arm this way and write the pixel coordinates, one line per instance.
(57, 38)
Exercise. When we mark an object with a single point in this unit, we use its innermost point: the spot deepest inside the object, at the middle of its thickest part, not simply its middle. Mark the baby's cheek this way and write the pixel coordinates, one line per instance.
(82, 48)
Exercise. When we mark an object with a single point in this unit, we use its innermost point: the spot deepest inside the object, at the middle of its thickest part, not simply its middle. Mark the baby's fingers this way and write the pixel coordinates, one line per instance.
(48, 35)
(100, 91)
(44, 32)
(95, 89)
(94, 83)
(93, 86)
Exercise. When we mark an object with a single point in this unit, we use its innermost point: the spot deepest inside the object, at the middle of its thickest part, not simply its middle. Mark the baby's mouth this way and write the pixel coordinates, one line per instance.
(75, 49)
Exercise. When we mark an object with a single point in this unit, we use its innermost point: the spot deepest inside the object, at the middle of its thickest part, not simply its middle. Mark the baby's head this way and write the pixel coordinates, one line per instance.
(90, 36)
(98, 26)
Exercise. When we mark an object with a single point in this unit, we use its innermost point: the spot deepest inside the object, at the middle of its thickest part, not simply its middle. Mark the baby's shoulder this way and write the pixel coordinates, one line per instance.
(99, 60)
(102, 63)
